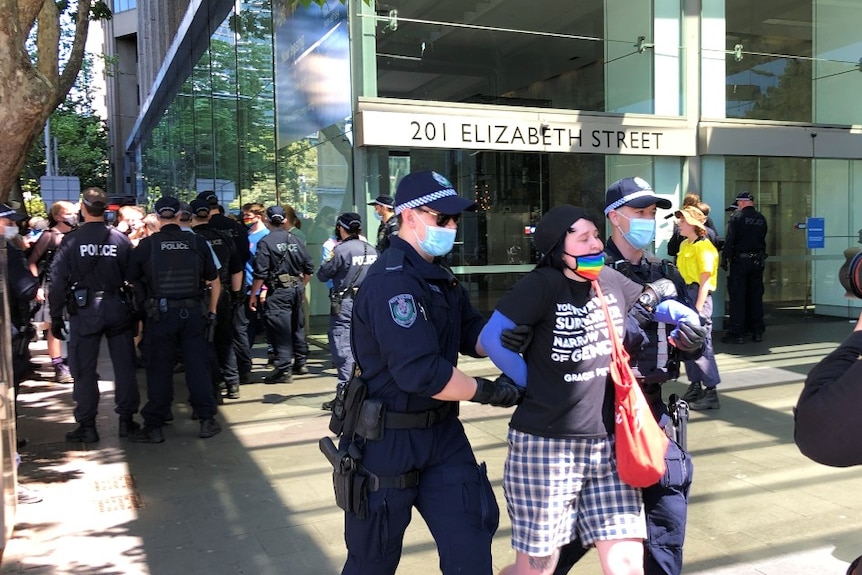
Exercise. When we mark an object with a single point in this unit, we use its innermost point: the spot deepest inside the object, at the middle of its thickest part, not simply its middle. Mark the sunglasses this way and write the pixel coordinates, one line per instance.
(442, 219)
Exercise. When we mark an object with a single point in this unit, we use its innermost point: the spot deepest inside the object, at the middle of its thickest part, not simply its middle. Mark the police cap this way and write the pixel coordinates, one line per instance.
(167, 206)
(427, 188)
(200, 208)
(275, 214)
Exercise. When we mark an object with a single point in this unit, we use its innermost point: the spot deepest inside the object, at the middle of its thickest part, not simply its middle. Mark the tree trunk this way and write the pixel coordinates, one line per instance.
(30, 91)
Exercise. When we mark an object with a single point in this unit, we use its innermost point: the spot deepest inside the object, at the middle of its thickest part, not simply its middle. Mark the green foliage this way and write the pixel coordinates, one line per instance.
(82, 139)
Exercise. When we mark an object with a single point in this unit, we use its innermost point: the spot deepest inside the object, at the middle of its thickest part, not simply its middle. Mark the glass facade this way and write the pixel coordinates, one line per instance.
(267, 114)
(592, 55)
(784, 60)
(123, 5)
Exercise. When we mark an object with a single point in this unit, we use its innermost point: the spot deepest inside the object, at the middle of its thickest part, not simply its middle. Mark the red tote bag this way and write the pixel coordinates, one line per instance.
(640, 443)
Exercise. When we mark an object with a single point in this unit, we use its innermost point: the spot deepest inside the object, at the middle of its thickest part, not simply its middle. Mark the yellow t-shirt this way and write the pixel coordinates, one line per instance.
(696, 258)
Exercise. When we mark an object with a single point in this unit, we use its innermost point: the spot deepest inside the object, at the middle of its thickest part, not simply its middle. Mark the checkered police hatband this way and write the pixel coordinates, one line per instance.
(426, 199)
(626, 199)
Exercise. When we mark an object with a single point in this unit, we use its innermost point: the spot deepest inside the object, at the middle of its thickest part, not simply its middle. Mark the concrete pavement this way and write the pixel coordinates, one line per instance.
(257, 498)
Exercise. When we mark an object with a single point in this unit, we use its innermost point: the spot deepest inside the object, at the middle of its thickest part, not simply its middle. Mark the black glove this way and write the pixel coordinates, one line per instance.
(236, 298)
(723, 263)
(689, 338)
(501, 393)
(641, 314)
(517, 339)
(657, 291)
(58, 329)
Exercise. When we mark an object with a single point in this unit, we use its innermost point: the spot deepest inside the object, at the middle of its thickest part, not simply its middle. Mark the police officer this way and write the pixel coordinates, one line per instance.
(744, 258)
(171, 268)
(231, 279)
(21, 285)
(283, 265)
(384, 211)
(630, 206)
(346, 268)
(88, 274)
(411, 319)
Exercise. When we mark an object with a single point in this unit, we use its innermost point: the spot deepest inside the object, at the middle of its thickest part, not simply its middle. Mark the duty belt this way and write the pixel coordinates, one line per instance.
(102, 294)
(186, 302)
(418, 420)
(750, 255)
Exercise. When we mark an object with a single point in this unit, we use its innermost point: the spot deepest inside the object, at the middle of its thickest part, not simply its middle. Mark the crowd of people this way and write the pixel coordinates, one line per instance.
(187, 285)
(183, 288)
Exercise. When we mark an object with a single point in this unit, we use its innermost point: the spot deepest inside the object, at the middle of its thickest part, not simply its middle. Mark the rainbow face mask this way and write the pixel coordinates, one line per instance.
(588, 266)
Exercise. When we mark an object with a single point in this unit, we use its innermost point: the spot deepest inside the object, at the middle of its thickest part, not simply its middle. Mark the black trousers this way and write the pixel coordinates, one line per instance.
(745, 288)
(108, 317)
(178, 328)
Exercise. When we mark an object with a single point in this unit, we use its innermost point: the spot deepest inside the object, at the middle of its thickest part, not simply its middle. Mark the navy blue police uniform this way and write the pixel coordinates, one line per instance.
(654, 362)
(281, 261)
(238, 234)
(93, 262)
(744, 252)
(171, 266)
(347, 269)
(411, 319)
(223, 339)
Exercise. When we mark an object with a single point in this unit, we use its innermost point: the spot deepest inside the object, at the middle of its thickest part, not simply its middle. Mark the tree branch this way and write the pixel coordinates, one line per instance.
(48, 41)
(76, 55)
(27, 12)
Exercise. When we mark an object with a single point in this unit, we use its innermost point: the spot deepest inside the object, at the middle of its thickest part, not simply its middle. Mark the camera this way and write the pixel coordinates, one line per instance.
(850, 274)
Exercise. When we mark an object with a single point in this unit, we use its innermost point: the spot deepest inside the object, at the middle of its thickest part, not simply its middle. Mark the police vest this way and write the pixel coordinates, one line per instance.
(175, 266)
(222, 245)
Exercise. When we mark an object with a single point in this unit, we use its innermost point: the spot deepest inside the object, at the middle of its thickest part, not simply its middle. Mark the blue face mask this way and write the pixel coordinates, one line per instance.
(438, 241)
(378, 217)
(641, 232)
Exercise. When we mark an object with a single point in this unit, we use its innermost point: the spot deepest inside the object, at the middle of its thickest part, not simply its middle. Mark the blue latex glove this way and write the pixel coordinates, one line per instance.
(672, 312)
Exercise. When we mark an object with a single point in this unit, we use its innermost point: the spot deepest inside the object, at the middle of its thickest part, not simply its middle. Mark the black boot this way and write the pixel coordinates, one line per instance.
(126, 426)
(85, 433)
(232, 391)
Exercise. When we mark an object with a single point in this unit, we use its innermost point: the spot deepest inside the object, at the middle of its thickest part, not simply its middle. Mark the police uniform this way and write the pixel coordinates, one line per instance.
(171, 266)
(87, 275)
(411, 320)
(388, 228)
(745, 253)
(280, 262)
(223, 341)
(346, 269)
(666, 503)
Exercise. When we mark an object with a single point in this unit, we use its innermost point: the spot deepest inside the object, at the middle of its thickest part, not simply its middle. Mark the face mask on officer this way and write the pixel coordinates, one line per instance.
(438, 241)
(641, 231)
(377, 216)
(9, 232)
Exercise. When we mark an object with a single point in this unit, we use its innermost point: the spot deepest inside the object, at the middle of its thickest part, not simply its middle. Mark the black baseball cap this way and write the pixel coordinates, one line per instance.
(11, 214)
(386, 201)
(167, 206)
(275, 214)
(199, 207)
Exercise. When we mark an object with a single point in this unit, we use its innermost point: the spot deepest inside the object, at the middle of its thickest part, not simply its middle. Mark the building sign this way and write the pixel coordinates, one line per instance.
(815, 233)
(551, 133)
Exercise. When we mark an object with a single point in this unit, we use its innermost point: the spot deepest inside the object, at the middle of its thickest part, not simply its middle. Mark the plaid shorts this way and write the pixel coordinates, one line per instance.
(559, 489)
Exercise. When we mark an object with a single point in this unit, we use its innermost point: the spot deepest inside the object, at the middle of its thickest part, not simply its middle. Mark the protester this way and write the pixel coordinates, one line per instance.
(698, 264)
(63, 217)
(631, 206)
(560, 476)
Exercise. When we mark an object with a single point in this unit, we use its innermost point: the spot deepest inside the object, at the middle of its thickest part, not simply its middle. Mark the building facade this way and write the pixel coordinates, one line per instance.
(522, 109)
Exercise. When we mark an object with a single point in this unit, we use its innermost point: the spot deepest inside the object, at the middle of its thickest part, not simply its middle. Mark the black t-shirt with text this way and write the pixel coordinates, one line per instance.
(568, 392)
